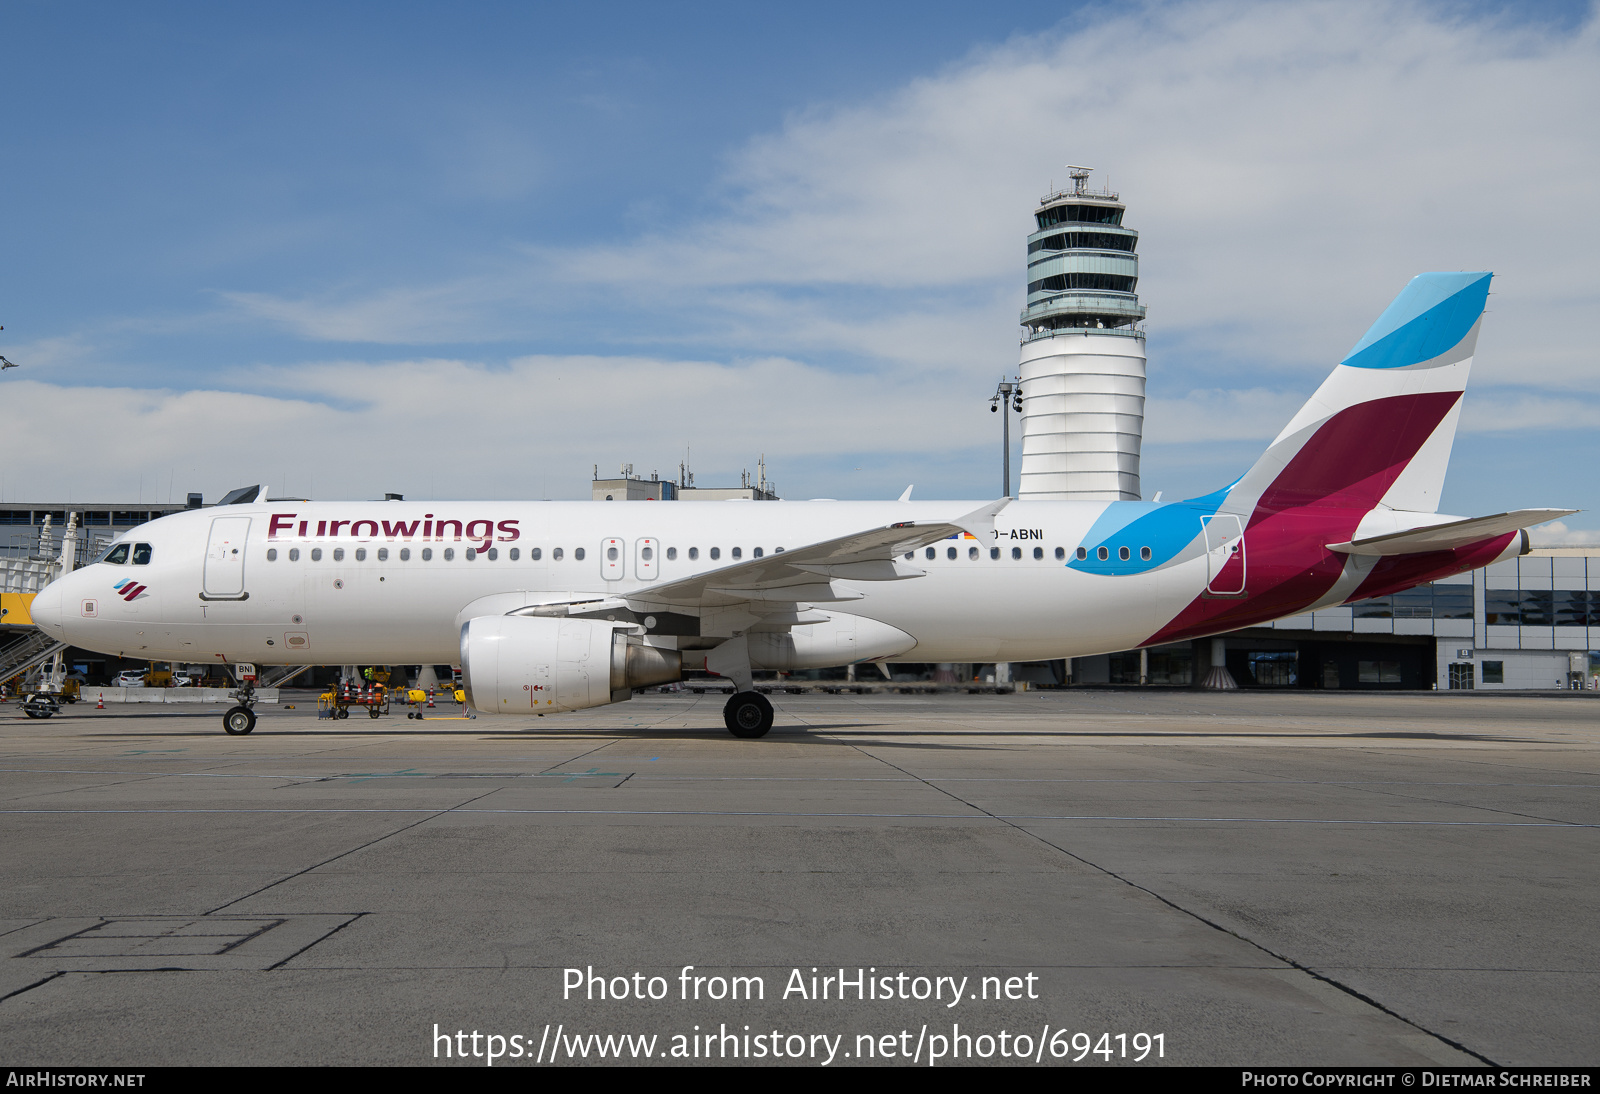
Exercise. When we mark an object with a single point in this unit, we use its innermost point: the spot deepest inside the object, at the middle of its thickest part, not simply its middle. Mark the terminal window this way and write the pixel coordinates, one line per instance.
(1378, 672)
(1494, 672)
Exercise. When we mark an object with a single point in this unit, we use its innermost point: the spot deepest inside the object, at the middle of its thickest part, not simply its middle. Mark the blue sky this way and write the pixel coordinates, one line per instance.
(477, 249)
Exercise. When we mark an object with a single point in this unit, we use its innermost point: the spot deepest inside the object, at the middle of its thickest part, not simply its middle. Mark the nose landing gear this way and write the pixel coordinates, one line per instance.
(239, 721)
(748, 714)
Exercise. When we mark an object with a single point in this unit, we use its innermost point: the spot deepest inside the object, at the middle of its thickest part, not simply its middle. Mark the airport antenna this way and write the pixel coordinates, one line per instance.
(1079, 176)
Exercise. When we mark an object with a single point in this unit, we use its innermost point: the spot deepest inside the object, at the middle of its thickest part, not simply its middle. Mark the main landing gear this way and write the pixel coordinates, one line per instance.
(748, 714)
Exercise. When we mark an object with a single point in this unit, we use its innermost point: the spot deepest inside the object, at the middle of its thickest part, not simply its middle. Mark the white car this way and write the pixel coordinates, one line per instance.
(128, 680)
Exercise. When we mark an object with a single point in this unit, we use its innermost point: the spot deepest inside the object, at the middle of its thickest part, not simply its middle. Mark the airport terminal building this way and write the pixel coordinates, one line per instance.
(1521, 624)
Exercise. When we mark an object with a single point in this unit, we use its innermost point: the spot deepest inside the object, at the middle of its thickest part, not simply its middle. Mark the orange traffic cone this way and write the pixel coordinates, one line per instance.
(101, 705)
(430, 700)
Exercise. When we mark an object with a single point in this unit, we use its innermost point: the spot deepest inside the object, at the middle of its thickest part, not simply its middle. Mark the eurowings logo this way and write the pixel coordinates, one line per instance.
(129, 589)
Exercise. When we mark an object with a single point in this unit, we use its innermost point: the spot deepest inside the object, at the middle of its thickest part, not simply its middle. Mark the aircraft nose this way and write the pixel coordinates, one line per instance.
(46, 611)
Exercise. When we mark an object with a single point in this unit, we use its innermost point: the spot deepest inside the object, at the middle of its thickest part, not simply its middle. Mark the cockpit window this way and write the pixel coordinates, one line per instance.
(141, 554)
(117, 554)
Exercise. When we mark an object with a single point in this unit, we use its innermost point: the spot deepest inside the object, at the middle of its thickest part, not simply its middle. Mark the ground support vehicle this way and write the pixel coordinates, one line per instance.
(336, 703)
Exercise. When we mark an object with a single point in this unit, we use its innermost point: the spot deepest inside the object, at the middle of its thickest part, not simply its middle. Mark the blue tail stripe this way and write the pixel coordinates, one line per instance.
(1431, 314)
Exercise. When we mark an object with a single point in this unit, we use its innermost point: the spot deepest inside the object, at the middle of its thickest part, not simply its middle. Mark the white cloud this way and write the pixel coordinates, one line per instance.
(1557, 534)
(1221, 415)
(449, 428)
(1507, 412)
(1289, 165)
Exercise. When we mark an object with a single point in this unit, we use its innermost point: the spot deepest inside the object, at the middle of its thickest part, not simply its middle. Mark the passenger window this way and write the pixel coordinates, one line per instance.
(361, 554)
(556, 554)
(930, 553)
(405, 554)
(472, 553)
(672, 554)
(972, 553)
(738, 552)
(951, 553)
(383, 554)
(1082, 553)
(1016, 552)
(1124, 554)
(515, 553)
(611, 553)
(694, 553)
(755, 553)
(494, 553)
(272, 554)
(316, 554)
(1144, 553)
(294, 554)
(1103, 553)
(141, 554)
(777, 550)
(994, 552)
(427, 554)
(716, 553)
(118, 554)
(1038, 552)
(338, 554)
(536, 554)
(1061, 553)
(577, 554)
(449, 554)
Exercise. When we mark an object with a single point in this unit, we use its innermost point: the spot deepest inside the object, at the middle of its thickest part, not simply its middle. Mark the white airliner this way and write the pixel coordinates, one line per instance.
(557, 606)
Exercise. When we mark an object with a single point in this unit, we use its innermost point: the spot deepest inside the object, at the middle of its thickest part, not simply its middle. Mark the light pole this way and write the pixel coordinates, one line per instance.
(1007, 397)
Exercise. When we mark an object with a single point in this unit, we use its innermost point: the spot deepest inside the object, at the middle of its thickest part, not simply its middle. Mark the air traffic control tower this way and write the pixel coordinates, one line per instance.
(1083, 365)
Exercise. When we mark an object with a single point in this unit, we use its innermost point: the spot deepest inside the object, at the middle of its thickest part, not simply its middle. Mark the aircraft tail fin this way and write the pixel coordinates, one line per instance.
(1380, 428)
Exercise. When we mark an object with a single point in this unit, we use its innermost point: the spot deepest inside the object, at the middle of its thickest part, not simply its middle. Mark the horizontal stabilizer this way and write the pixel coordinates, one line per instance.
(1444, 537)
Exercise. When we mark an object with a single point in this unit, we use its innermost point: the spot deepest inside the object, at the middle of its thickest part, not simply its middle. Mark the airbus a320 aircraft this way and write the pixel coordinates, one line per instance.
(557, 606)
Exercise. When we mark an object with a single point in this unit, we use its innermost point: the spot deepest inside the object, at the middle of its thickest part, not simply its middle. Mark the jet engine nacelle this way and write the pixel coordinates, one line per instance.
(513, 664)
(840, 640)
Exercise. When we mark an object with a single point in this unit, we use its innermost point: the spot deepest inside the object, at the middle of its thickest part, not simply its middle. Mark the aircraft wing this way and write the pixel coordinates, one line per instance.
(807, 574)
(1443, 537)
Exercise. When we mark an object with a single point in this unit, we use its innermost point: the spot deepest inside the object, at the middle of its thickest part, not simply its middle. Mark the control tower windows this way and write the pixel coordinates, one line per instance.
(1078, 214)
(1098, 241)
(1098, 281)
